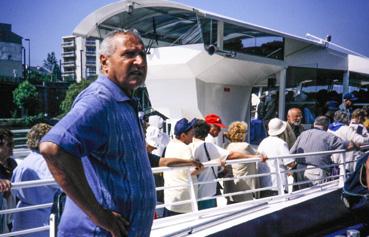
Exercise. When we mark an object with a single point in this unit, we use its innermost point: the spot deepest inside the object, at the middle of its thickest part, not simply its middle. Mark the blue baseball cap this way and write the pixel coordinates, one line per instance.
(183, 126)
(349, 96)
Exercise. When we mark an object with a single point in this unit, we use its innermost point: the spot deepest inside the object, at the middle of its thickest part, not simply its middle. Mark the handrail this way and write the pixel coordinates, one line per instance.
(193, 200)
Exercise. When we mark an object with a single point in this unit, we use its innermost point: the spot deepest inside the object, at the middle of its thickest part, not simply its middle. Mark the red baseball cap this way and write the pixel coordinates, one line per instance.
(214, 119)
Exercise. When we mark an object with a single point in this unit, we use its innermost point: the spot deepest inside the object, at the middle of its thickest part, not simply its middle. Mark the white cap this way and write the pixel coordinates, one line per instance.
(156, 121)
(276, 127)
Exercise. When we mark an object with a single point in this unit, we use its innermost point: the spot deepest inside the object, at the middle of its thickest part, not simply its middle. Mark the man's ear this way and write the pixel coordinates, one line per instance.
(104, 62)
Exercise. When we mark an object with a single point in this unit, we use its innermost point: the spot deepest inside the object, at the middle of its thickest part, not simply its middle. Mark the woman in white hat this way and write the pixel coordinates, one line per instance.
(274, 146)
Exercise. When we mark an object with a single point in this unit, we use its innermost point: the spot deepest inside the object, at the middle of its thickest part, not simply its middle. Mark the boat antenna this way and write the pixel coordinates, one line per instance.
(151, 41)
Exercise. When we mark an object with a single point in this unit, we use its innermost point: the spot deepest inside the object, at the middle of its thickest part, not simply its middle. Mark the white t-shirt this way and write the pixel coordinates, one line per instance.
(199, 154)
(178, 149)
(273, 146)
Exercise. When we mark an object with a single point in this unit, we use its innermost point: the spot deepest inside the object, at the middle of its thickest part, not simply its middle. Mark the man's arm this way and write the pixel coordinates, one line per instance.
(238, 155)
(178, 162)
(69, 174)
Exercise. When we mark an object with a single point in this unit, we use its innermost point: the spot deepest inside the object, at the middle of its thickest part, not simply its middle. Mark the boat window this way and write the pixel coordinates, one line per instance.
(159, 27)
(209, 31)
(315, 91)
(359, 84)
(250, 41)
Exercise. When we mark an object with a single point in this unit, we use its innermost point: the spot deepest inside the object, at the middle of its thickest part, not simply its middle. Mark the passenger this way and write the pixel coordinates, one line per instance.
(203, 152)
(178, 147)
(158, 138)
(97, 152)
(7, 165)
(237, 132)
(294, 127)
(347, 103)
(33, 167)
(274, 146)
(315, 140)
(216, 126)
(348, 134)
(357, 122)
(271, 107)
(157, 161)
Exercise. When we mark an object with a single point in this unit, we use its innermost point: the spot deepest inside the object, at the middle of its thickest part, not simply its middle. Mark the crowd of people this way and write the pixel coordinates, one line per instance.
(100, 157)
(194, 140)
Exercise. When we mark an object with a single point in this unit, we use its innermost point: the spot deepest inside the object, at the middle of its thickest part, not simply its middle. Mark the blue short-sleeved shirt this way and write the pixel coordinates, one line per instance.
(103, 130)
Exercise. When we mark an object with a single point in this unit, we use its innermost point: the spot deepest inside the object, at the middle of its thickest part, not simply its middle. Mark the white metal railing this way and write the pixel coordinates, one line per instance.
(191, 185)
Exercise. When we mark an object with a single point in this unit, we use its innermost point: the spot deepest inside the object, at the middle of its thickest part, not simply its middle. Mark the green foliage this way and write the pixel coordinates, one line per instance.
(51, 63)
(25, 96)
(71, 94)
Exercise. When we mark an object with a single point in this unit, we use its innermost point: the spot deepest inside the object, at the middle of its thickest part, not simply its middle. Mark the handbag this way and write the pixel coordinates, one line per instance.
(219, 186)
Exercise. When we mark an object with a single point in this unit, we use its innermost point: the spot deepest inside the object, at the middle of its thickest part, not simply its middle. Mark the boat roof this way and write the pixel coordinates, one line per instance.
(88, 26)
(173, 18)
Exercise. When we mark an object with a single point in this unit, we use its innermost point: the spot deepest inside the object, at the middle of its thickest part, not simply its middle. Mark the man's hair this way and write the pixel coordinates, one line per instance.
(358, 113)
(201, 129)
(35, 135)
(107, 46)
(341, 117)
(322, 121)
(293, 109)
(6, 136)
(237, 131)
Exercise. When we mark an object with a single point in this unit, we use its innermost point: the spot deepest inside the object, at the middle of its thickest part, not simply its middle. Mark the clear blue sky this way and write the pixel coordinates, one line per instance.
(46, 21)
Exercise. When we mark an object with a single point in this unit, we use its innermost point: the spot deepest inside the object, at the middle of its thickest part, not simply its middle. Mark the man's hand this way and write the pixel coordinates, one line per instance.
(198, 168)
(113, 222)
(5, 185)
(263, 158)
(198, 165)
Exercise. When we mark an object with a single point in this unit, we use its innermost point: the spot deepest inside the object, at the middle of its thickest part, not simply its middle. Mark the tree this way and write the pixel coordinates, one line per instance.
(71, 94)
(51, 63)
(25, 96)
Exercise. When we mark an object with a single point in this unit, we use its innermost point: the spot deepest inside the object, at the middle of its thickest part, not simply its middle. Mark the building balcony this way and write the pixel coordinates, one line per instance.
(72, 73)
(69, 64)
(68, 54)
(91, 53)
(90, 43)
(91, 63)
(68, 44)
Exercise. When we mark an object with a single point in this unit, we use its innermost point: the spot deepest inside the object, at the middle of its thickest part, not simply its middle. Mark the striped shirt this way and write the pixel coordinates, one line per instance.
(104, 131)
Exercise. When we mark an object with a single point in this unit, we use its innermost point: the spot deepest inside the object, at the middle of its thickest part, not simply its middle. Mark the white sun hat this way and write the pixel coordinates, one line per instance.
(276, 127)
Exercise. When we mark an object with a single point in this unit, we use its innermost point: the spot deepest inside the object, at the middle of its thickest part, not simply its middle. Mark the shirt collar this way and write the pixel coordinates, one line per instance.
(116, 91)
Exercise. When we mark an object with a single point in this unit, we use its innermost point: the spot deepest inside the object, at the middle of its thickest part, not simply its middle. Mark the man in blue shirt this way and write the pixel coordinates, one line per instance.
(97, 151)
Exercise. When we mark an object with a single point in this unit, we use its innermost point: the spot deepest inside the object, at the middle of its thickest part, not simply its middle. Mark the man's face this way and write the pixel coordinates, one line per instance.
(187, 137)
(214, 130)
(6, 150)
(127, 66)
(348, 103)
(294, 117)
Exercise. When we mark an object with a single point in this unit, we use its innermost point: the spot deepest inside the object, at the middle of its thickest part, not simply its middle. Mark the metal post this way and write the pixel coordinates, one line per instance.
(29, 53)
(81, 51)
(192, 192)
(24, 63)
(278, 175)
(282, 98)
(346, 82)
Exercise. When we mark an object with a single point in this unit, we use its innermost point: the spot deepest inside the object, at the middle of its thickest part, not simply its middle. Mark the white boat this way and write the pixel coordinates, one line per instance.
(199, 63)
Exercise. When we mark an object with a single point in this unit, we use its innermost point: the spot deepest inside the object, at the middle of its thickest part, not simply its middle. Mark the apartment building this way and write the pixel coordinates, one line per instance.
(10, 52)
(79, 58)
